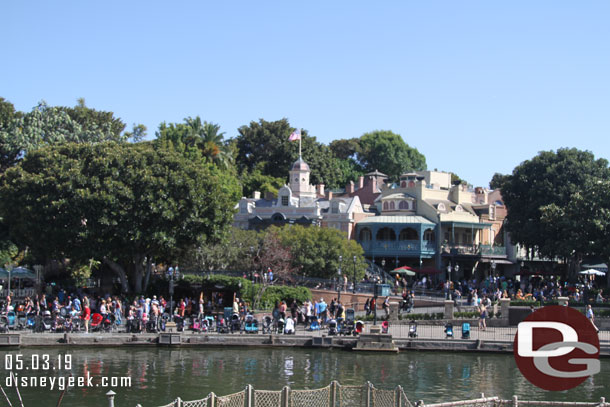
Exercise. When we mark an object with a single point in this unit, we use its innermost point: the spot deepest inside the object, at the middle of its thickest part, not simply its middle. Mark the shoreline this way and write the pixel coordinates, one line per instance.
(177, 340)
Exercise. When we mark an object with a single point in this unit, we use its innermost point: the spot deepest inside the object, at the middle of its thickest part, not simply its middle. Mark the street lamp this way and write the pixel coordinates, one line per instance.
(339, 280)
(354, 288)
(493, 273)
(171, 273)
(455, 268)
(9, 268)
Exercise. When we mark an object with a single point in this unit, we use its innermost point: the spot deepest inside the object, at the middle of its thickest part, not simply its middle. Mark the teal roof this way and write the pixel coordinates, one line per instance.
(396, 220)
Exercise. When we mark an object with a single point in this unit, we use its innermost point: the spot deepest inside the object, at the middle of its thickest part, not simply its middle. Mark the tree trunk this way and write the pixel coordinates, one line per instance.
(120, 271)
(138, 273)
(148, 272)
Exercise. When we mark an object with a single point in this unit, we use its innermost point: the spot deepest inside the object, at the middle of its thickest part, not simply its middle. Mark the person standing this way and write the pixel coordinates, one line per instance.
(482, 317)
(86, 315)
(591, 316)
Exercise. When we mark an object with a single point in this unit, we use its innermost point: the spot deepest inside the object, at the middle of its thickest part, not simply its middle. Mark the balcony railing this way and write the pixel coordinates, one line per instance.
(409, 246)
(473, 249)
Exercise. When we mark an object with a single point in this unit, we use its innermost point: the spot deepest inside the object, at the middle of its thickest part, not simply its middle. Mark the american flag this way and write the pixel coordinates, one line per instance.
(295, 135)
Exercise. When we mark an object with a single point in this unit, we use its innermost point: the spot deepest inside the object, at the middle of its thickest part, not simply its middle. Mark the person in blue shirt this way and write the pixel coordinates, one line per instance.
(322, 311)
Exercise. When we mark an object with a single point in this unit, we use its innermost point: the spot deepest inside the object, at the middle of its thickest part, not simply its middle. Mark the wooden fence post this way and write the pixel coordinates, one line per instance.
(333, 393)
(286, 396)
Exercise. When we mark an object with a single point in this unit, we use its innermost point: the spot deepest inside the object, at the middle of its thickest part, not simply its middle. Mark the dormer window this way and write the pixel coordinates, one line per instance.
(441, 207)
(285, 200)
(459, 208)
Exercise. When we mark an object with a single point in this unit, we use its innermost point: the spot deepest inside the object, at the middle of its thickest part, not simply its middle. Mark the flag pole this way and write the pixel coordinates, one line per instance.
(300, 137)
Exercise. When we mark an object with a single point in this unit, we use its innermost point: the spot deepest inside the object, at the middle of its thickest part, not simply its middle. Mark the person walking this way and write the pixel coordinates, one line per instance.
(591, 317)
(482, 317)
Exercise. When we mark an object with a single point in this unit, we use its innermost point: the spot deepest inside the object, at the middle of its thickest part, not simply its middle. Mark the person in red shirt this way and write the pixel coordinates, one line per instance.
(86, 316)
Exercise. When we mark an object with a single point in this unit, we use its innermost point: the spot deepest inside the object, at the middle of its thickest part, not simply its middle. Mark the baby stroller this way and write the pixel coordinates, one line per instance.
(96, 322)
(332, 327)
(11, 320)
(449, 330)
(314, 326)
(358, 328)
(385, 326)
(348, 326)
(235, 323)
(221, 326)
(412, 329)
(267, 324)
(251, 325)
(280, 325)
(179, 323)
(30, 321)
(465, 330)
(210, 320)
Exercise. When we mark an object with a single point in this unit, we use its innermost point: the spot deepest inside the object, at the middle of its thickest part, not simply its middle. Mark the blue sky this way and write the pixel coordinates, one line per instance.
(476, 86)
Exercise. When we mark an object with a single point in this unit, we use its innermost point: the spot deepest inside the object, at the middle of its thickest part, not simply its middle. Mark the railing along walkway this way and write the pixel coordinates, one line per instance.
(367, 395)
(514, 402)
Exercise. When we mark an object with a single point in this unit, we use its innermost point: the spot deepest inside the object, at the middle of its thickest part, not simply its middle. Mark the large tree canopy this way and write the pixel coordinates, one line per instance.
(387, 152)
(264, 146)
(539, 190)
(46, 125)
(128, 204)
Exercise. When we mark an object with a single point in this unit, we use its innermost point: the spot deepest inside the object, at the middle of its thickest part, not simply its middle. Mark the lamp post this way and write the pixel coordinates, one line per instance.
(171, 273)
(493, 273)
(455, 268)
(354, 288)
(9, 268)
(339, 279)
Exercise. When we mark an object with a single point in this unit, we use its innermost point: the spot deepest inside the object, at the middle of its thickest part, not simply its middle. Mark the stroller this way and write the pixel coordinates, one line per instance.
(348, 326)
(267, 324)
(465, 330)
(332, 327)
(314, 326)
(30, 321)
(280, 325)
(235, 323)
(221, 325)
(359, 327)
(179, 323)
(385, 327)
(412, 329)
(251, 325)
(449, 330)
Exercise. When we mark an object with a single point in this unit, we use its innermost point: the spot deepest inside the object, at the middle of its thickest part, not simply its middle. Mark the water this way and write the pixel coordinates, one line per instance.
(160, 375)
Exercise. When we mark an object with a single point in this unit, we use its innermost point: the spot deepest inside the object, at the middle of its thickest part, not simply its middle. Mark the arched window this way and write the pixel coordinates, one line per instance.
(403, 184)
(411, 184)
(408, 234)
(403, 205)
(386, 234)
(385, 206)
(459, 208)
(365, 235)
(429, 235)
(441, 206)
(392, 206)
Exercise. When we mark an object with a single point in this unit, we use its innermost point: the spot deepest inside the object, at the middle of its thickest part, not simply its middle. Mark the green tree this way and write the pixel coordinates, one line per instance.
(497, 181)
(315, 251)
(128, 204)
(537, 193)
(264, 146)
(47, 125)
(387, 152)
(345, 148)
(257, 181)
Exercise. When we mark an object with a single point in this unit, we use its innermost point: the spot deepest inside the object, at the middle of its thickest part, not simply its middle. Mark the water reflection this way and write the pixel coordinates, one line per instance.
(160, 375)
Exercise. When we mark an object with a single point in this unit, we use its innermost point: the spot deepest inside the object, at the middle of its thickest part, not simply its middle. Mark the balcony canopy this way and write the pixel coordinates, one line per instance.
(395, 220)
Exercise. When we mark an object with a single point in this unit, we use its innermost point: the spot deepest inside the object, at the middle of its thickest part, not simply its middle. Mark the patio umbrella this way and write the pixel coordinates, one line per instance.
(22, 272)
(592, 272)
(406, 270)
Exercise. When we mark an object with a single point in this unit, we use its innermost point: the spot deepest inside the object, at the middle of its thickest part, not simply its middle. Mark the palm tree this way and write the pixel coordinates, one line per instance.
(208, 138)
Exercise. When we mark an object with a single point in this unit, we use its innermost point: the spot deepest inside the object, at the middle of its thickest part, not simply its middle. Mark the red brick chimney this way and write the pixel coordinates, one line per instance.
(349, 188)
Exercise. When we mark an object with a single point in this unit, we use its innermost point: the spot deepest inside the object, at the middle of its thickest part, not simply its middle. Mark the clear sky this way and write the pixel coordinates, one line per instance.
(476, 86)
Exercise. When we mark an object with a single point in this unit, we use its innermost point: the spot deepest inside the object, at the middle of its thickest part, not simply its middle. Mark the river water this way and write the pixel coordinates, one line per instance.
(160, 375)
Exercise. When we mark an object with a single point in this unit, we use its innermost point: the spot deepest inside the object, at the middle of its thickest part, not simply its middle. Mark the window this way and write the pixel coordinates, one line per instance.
(392, 207)
(440, 207)
(365, 235)
(403, 205)
(459, 208)
(335, 208)
(403, 184)
(411, 184)
(385, 206)
(285, 200)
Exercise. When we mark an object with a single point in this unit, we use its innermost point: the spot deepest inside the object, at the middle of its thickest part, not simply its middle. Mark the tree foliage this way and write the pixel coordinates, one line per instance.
(387, 152)
(316, 251)
(46, 125)
(125, 203)
(539, 191)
